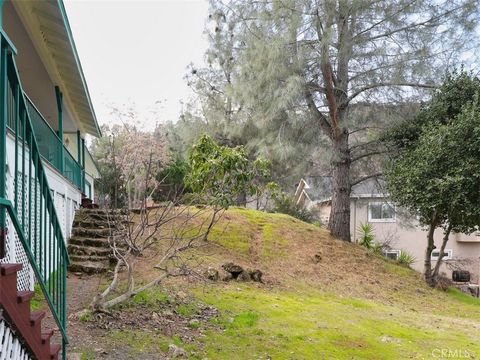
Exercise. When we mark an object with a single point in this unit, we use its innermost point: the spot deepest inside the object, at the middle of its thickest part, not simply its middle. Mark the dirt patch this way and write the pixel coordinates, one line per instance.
(100, 335)
(255, 248)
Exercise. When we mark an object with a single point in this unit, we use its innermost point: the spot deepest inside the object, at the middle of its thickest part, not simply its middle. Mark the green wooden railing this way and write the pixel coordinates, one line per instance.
(50, 144)
(32, 210)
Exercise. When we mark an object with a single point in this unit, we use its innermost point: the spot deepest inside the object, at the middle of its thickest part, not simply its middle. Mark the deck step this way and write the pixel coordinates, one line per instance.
(54, 350)
(24, 296)
(46, 336)
(16, 305)
(9, 269)
(36, 317)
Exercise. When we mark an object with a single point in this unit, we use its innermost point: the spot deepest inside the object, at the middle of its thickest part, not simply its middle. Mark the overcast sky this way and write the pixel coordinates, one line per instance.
(137, 51)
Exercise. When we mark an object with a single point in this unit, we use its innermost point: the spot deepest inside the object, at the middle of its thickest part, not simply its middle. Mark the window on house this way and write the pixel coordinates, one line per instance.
(392, 254)
(381, 212)
(448, 254)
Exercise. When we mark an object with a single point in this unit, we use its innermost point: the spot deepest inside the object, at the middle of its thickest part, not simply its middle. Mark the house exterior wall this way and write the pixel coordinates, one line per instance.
(405, 233)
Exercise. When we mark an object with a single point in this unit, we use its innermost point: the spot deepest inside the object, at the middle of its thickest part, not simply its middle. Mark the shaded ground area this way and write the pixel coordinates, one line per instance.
(322, 298)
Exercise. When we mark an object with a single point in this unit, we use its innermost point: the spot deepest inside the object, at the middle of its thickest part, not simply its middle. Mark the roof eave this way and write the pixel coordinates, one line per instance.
(79, 65)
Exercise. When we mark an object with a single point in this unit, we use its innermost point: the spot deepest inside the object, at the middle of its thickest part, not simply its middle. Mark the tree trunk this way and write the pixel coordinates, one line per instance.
(428, 254)
(242, 199)
(339, 223)
(436, 270)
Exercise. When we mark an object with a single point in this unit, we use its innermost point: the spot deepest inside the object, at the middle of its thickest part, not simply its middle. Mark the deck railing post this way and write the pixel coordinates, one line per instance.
(79, 157)
(3, 140)
(83, 166)
(59, 97)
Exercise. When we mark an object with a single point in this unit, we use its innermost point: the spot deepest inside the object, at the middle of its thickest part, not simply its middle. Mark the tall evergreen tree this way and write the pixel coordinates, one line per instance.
(323, 58)
(218, 110)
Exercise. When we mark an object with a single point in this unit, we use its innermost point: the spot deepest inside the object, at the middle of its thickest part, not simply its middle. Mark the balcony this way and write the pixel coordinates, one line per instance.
(49, 143)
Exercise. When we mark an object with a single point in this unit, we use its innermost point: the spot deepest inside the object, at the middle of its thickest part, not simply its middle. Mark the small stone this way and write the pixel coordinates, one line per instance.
(390, 339)
(243, 276)
(212, 274)
(175, 352)
(316, 258)
(256, 275)
(233, 269)
(182, 295)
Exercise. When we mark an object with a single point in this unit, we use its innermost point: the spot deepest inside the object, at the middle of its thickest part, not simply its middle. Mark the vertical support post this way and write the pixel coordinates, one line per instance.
(83, 165)
(3, 140)
(79, 156)
(59, 97)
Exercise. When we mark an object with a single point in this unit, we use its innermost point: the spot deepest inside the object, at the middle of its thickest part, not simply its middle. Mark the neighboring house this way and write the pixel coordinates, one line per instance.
(45, 115)
(392, 225)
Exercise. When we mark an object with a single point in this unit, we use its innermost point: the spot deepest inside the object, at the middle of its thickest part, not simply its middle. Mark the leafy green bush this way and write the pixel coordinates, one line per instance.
(367, 237)
(223, 175)
(172, 180)
(405, 258)
(284, 204)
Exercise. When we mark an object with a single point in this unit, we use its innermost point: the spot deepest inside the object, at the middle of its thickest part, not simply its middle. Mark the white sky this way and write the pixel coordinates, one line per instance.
(137, 52)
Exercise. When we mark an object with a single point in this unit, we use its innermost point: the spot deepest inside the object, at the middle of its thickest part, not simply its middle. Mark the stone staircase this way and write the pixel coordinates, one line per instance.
(89, 247)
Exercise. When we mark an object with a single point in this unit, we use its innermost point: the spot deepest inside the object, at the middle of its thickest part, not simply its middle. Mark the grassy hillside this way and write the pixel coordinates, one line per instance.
(349, 305)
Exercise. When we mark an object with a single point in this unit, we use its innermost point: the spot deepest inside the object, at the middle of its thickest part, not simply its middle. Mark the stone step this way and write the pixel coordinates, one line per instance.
(105, 218)
(88, 250)
(104, 211)
(88, 223)
(87, 241)
(89, 267)
(99, 224)
(91, 232)
(93, 242)
(89, 258)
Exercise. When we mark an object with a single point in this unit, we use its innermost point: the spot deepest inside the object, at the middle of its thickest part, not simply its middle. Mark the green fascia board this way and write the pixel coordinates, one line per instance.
(77, 61)
(5, 37)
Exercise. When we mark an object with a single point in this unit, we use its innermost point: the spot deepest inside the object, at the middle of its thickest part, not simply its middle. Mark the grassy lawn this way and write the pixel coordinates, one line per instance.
(349, 305)
(308, 324)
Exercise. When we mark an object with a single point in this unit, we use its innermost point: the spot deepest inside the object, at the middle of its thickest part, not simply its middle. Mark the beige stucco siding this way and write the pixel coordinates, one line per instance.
(406, 234)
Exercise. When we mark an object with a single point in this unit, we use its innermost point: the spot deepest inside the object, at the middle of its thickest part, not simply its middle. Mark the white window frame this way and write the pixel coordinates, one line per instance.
(396, 252)
(386, 220)
(448, 254)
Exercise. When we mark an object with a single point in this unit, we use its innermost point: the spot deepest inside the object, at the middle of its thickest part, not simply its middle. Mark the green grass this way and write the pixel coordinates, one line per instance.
(304, 317)
(87, 354)
(462, 297)
(142, 342)
(153, 297)
(86, 317)
(314, 325)
(237, 236)
(187, 310)
(38, 301)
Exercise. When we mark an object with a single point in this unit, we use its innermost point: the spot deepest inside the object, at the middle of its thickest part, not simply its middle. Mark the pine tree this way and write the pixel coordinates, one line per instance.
(324, 58)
